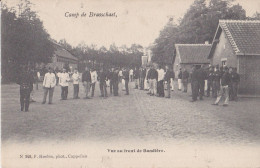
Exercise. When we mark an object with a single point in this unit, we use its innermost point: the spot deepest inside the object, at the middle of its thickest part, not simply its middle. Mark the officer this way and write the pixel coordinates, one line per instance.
(194, 83)
(210, 81)
(25, 80)
(216, 82)
(235, 79)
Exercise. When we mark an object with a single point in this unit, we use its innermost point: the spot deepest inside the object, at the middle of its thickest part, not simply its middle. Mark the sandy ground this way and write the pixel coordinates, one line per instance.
(137, 117)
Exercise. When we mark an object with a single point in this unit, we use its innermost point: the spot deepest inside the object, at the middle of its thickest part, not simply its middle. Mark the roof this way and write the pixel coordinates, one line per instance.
(243, 35)
(61, 52)
(193, 53)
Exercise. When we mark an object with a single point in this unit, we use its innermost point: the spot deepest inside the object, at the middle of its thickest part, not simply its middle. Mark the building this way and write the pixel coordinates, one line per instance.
(188, 55)
(237, 44)
(61, 57)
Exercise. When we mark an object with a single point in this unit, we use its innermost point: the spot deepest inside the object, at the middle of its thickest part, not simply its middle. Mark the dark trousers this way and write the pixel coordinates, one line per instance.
(160, 88)
(111, 86)
(126, 86)
(64, 92)
(76, 91)
(93, 89)
(103, 88)
(142, 83)
(115, 88)
(24, 99)
(210, 87)
(46, 90)
(201, 88)
(194, 89)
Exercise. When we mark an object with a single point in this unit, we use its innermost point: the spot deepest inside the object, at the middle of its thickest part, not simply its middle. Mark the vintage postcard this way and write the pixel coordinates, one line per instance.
(130, 83)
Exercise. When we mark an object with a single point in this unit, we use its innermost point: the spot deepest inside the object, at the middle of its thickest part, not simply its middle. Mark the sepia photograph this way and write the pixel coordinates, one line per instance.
(130, 83)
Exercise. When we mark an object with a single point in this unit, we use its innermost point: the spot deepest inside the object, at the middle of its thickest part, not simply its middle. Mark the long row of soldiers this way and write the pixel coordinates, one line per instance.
(222, 82)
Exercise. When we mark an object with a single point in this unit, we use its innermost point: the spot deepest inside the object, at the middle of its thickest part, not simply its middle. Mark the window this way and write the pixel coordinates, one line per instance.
(224, 63)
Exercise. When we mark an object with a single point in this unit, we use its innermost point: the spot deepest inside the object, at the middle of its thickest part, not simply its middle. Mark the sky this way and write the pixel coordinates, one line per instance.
(137, 21)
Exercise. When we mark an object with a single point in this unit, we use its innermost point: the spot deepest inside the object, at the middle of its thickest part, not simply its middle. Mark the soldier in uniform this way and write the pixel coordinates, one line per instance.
(126, 78)
(210, 81)
(185, 77)
(115, 81)
(167, 78)
(25, 80)
(216, 82)
(142, 78)
(235, 79)
(194, 84)
(201, 79)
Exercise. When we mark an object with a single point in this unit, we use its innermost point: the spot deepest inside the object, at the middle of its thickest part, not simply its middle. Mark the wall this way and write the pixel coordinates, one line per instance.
(249, 75)
(224, 50)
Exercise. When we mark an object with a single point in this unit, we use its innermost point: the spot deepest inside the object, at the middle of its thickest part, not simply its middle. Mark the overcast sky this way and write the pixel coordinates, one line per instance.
(137, 21)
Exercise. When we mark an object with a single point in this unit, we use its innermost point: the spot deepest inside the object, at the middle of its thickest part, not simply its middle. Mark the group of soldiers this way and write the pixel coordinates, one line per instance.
(219, 81)
(216, 81)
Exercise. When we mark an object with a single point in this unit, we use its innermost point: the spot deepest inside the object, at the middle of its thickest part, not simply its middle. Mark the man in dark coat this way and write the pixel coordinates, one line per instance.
(235, 79)
(86, 79)
(185, 79)
(169, 74)
(216, 82)
(142, 77)
(201, 79)
(194, 84)
(25, 80)
(136, 77)
(210, 81)
(115, 81)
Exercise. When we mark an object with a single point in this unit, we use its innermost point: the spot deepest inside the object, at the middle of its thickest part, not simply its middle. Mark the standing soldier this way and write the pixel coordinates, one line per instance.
(102, 82)
(142, 78)
(93, 74)
(185, 79)
(201, 79)
(64, 79)
(216, 82)
(76, 78)
(224, 90)
(153, 78)
(136, 77)
(25, 80)
(160, 87)
(235, 78)
(48, 84)
(110, 78)
(115, 81)
(169, 75)
(179, 80)
(86, 79)
(126, 78)
(194, 84)
(210, 81)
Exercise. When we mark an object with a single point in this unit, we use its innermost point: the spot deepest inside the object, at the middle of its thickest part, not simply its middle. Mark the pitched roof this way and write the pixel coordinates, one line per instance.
(193, 53)
(61, 52)
(243, 35)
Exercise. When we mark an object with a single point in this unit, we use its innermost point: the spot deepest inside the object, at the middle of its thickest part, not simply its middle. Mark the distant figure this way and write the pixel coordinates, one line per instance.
(202, 75)
(146, 82)
(115, 81)
(110, 77)
(25, 80)
(172, 79)
(224, 90)
(136, 77)
(93, 73)
(235, 79)
(102, 82)
(185, 79)
(210, 81)
(216, 82)
(179, 80)
(126, 79)
(169, 75)
(131, 73)
(142, 78)
(75, 79)
(160, 86)
(194, 84)
(48, 84)
(86, 80)
(153, 78)
(64, 83)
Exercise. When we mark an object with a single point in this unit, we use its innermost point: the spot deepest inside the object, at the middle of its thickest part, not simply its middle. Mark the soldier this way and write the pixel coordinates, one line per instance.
(48, 84)
(25, 80)
(210, 81)
(136, 77)
(115, 81)
(110, 78)
(179, 80)
(235, 78)
(216, 82)
(102, 82)
(194, 83)
(185, 78)
(142, 78)
(86, 79)
(126, 78)
(201, 79)
(224, 90)
(167, 78)
(64, 83)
